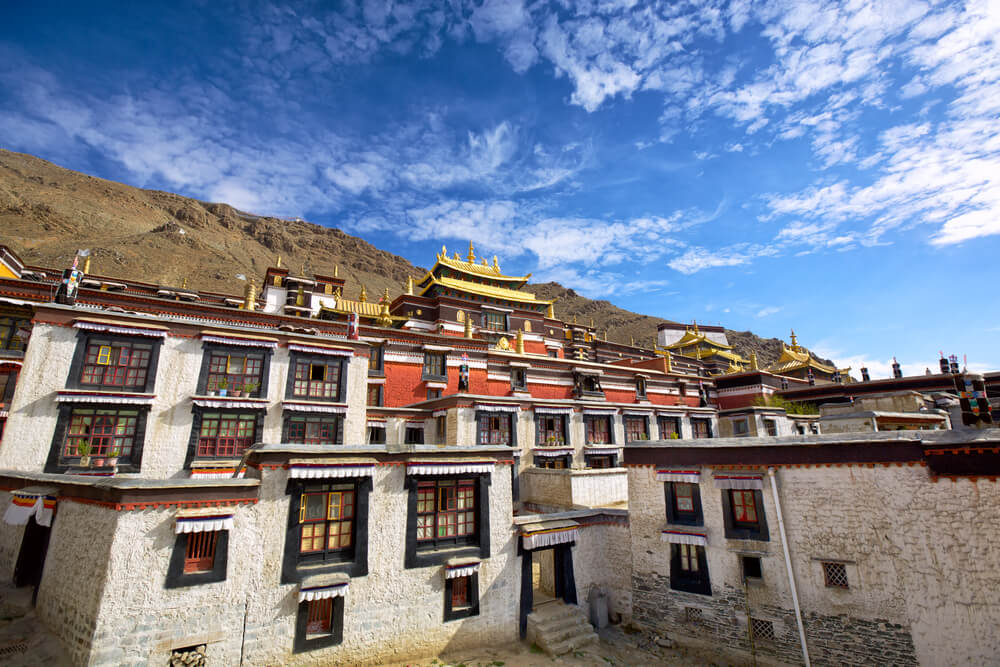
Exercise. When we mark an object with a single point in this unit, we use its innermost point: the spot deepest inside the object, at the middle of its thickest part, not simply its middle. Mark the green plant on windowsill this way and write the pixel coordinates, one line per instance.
(223, 387)
(83, 450)
(237, 390)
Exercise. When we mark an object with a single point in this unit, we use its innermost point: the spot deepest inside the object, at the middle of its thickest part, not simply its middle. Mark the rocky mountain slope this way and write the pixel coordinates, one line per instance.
(47, 213)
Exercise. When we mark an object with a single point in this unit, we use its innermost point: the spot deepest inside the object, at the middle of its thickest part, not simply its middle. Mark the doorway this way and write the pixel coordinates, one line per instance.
(31, 558)
(543, 577)
(546, 577)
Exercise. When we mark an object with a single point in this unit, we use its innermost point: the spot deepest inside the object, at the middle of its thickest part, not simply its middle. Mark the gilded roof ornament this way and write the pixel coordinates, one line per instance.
(336, 270)
(496, 264)
(277, 264)
(503, 343)
(551, 312)
(520, 342)
(184, 283)
(753, 362)
(364, 295)
(468, 327)
(795, 342)
(385, 295)
(409, 285)
(472, 253)
(86, 265)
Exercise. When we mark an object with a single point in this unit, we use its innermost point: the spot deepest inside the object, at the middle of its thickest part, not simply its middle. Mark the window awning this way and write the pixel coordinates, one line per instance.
(548, 533)
(739, 481)
(120, 330)
(321, 587)
(638, 413)
(377, 423)
(552, 411)
(215, 470)
(335, 409)
(680, 537)
(244, 342)
(440, 467)
(329, 351)
(678, 475)
(37, 501)
(553, 451)
(439, 413)
(496, 407)
(461, 567)
(204, 520)
(601, 450)
(104, 397)
(330, 468)
(210, 402)
(600, 411)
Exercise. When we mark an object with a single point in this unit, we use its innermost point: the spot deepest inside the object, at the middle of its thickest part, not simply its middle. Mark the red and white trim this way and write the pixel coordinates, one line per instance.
(104, 397)
(552, 411)
(224, 402)
(739, 482)
(449, 467)
(497, 407)
(679, 475)
(120, 330)
(461, 567)
(328, 470)
(323, 592)
(203, 522)
(681, 537)
(603, 412)
(549, 533)
(601, 450)
(329, 351)
(28, 502)
(551, 451)
(243, 342)
(333, 408)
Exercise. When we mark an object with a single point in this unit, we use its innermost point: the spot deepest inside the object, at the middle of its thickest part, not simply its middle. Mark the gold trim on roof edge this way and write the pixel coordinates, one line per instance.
(484, 290)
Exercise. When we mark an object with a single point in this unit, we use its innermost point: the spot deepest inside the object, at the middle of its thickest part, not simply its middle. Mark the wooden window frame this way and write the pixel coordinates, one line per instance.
(674, 513)
(564, 462)
(433, 362)
(590, 459)
(409, 435)
(741, 530)
(633, 419)
(666, 433)
(149, 346)
(9, 325)
(588, 420)
(199, 552)
(369, 432)
(303, 642)
(695, 421)
(453, 611)
(495, 320)
(448, 508)
(214, 350)
(490, 433)
(131, 462)
(551, 426)
(290, 428)
(218, 441)
(689, 580)
(346, 495)
(429, 552)
(301, 385)
(178, 577)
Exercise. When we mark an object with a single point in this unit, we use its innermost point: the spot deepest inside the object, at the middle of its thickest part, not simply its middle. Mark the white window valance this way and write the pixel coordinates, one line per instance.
(376, 423)
(244, 342)
(314, 407)
(39, 502)
(602, 412)
(437, 348)
(461, 567)
(638, 413)
(449, 467)
(548, 533)
(678, 475)
(439, 413)
(321, 588)
(553, 411)
(551, 451)
(202, 521)
(324, 469)
(328, 351)
(104, 397)
(120, 330)
(680, 537)
(600, 450)
(739, 482)
(493, 407)
(228, 403)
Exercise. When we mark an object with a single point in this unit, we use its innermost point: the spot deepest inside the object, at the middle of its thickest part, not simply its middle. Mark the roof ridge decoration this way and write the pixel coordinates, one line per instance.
(469, 265)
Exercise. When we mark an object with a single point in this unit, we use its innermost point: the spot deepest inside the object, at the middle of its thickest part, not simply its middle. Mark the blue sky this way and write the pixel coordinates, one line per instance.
(828, 166)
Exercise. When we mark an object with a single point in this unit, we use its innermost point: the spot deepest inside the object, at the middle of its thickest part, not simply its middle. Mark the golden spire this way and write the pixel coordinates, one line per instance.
(336, 270)
(444, 252)
(795, 343)
(574, 319)
(753, 362)
(670, 362)
(302, 270)
(631, 341)
(496, 264)
(472, 254)
(485, 262)
(300, 297)
(696, 327)
(520, 342)
(409, 285)
(364, 295)
(385, 295)
(184, 283)
(250, 295)
(86, 265)
(457, 256)
(468, 327)
(278, 264)
(551, 312)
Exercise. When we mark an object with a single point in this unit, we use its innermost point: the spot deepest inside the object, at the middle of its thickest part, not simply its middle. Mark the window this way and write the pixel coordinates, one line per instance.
(743, 513)
(376, 355)
(495, 428)
(751, 567)
(376, 435)
(442, 429)
(771, 427)
(101, 432)
(461, 597)
(762, 629)
(199, 555)
(554, 353)
(587, 385)
(115, 364)
(446, 511)
(414, 435)
(701, 428)
(433, 393)
(741, 427)
(319, 624)
(434, 366)
(640, 387)
(226, 435)
(598, 429)
(683, 503)
(551, 430)
(518, 379)
(494, 321)
(693, 615)
(553, 462)
(689, 569)
(600, 461)
(235, 371)
(326, 522)
(670, 428)
(9, 337)
(636, 429)
(316, 378)
(835, 575)
(313, 429)
(375, 395)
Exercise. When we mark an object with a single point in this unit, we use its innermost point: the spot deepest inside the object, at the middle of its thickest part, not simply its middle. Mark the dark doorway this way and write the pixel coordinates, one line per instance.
(549, 571)
(31, 559)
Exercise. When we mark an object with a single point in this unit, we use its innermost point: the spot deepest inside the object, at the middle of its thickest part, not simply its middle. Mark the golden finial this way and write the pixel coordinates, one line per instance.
(278, 264)
(302, 270)
(670, 362)
(496, 264)
(551, 312)
(444, 252)
(457, 256)
(753, 362)
(696, 327)
(336, 270)
(795, 343)
(385, 295)
(631, 341)
(409, 285)
(468, 327)
(472, 254)
(184, 283)
(485, 262)
(591, 322)
(300, 297)
(574, 319)
(250, 295)
(364, 295)
(520, 342)
(86, 265)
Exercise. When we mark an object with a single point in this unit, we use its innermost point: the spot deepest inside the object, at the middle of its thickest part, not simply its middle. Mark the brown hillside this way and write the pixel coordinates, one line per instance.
(47, 213)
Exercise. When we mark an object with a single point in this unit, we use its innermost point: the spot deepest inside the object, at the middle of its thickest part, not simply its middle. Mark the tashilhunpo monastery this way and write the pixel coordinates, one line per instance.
(290, 477)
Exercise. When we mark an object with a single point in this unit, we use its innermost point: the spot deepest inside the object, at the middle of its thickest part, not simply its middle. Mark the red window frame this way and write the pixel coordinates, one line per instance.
(200, 553)
(636, 426)
(460, 592)
(553, 426)
(106, 431)
(683, 495)
(669, 426)
(226, 435)
(446, 510)
(118, 364)
(598, 430)
(304, 386)
(312, 430)
(494, 321)
(221, 365)
(744, 506)
(374, 395)
(495, 429)
(331, 532)
(320, 618)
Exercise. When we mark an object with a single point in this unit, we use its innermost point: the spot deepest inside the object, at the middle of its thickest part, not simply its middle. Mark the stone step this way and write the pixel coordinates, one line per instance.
(559, 628)
(571, 643)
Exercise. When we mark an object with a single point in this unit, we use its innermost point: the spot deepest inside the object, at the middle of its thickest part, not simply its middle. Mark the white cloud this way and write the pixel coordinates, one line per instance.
(698, 259)
(769, 310)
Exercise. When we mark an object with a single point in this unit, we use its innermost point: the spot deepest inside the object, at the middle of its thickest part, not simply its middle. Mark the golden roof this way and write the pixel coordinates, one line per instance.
(483, 290)
(378, 311)
(795, 358)
(695, 338)
(469, 265)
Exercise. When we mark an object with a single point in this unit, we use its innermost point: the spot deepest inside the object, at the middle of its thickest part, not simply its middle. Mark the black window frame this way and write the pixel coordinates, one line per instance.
(675, 516)
(409, 434)
(640, 388)
(588, 460)
(336, 636)
(539, 423)
(489, 320)
(472, 609)
(83, 341)
(581, 382)
(770, 424)
(665, 419)
(645, 422)
(431, 360)
(708, 425)
(369, 433)
(379, 392)
(683, 580)
(209, 348)
(740, 531)
(197, 415)
(756, 567)
(549, 462)
(353, 562)
(745, 422)
(15, 323)
(291, 415)
(56, 463)
(518, 378)
(295, 358)
(376, 360)
(480, 414)
(437, 553)
(611, 428)
(177, 578)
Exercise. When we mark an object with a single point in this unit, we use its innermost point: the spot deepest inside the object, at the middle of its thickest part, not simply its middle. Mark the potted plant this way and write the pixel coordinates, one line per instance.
(83, 449)
(113, 459)
(250, 388)
(223, 386)
(237, 390)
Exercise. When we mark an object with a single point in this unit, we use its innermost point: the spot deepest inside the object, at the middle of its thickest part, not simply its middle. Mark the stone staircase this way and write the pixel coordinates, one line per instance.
(558, 628)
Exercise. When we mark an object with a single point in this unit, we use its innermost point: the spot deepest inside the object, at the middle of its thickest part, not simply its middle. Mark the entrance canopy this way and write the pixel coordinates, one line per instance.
(39, 501)
(549, 533)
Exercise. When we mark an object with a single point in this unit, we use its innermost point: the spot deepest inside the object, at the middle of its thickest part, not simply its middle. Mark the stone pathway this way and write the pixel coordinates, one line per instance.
(24, 642)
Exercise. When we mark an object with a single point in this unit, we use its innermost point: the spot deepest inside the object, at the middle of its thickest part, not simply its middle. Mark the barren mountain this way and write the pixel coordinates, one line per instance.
(47, 213)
